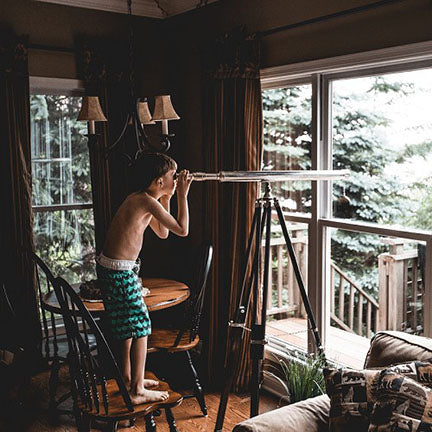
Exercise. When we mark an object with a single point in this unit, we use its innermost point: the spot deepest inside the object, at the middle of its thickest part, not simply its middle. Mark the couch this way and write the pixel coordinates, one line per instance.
(312, 415)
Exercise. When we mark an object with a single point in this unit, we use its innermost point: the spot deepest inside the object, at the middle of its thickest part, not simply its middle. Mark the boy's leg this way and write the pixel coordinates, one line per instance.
(139, 394)
(125, 358)
(142, 354)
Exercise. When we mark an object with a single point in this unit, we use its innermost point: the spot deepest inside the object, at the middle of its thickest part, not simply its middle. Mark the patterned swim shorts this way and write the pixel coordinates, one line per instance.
(124, 304)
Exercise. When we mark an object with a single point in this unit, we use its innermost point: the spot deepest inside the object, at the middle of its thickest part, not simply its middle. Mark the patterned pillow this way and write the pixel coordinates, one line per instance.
(417, 370)
(353, 392)
(352, 396)
(402, 404)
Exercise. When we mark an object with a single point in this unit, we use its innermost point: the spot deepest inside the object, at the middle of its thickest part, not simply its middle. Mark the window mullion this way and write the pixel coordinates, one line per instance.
(427, 299)
(316, 246)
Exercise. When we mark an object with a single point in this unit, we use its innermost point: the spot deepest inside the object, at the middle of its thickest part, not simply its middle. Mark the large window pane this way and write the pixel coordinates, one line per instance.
(382, 134)
(65, 240)
(60, 161)
(375, 284)
(287, 141)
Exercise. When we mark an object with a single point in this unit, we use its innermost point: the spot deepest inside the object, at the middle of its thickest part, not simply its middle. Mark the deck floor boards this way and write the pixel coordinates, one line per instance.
(343, 347)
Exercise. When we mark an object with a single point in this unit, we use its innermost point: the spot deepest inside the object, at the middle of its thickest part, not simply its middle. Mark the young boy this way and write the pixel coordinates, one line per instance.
(117, 266)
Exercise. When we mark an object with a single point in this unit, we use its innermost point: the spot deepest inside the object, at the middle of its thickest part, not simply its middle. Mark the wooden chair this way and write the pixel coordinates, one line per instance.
(98, 389)
(186, 337)
(54, 347)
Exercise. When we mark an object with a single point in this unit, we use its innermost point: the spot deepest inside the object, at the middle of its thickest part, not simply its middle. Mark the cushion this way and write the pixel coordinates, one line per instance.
(392, 347)
(420, 371)
(353, 392)
(310, 415)
(402, 404)
(352, 397)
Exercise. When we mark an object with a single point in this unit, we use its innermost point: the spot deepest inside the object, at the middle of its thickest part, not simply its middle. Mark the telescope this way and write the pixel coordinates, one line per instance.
(270, 176)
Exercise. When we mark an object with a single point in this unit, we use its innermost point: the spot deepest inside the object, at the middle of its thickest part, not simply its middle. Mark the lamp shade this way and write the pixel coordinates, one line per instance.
(163, 109)
(91, 109)
(144, 113)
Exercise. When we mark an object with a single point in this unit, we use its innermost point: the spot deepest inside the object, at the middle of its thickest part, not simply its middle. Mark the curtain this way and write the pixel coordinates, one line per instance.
(233, 140)
(100, 66)
(15, 169)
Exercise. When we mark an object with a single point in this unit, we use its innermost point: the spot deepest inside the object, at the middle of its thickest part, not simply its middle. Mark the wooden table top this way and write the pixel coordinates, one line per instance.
(164, 293)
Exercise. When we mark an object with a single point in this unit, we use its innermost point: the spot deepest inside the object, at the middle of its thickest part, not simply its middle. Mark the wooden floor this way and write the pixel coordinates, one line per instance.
(33, 417)
(342, 347)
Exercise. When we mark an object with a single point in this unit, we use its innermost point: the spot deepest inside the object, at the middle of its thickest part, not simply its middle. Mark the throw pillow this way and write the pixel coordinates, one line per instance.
(416, 370)
(352, 396)
(353, 392)
(402, 404)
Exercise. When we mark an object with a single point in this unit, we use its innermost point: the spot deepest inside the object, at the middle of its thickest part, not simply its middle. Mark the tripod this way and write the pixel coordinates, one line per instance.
(237, 327)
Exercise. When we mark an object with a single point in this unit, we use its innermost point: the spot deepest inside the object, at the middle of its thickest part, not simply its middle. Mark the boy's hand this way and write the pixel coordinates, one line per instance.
(183, 183)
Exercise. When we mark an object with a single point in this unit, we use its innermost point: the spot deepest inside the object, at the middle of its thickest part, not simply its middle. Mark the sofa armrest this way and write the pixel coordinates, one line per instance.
(310, 415)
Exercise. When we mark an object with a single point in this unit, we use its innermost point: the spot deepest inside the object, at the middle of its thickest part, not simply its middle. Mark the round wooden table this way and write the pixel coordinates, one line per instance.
(164, 293)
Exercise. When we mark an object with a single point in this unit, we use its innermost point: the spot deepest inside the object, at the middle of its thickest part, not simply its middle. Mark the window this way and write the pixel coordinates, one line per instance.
(287, 115)
(62, 199)
(367, 239)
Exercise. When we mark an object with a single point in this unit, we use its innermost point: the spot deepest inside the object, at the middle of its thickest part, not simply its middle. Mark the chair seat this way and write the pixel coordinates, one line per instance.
(163, 340)
(117, 408)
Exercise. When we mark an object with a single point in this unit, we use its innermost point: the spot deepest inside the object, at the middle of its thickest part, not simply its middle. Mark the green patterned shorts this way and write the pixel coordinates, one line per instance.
(124, 304)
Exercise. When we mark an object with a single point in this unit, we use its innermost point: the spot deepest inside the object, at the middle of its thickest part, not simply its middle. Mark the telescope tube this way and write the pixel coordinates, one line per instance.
(270, 176)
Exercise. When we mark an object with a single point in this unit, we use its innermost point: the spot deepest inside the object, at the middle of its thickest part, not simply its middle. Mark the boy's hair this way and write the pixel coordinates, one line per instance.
(150, 167)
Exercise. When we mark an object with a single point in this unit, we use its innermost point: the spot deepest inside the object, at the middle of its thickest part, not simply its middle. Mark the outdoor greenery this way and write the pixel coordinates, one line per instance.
(377, 190)
(301, 376)
(64, 239)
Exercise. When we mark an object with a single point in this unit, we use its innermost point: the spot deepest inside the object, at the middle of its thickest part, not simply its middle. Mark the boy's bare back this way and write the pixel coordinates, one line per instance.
(141, 209)
(125, 235)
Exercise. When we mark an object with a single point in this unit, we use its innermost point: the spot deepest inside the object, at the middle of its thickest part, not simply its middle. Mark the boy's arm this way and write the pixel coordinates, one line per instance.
(160, 230)
(179, 226)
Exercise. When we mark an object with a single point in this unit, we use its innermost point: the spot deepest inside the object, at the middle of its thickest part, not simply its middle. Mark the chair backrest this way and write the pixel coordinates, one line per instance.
(45, 285)
(194, 305)
(89, 370)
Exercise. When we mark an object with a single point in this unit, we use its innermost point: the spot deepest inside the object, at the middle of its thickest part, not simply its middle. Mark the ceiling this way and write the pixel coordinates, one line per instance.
(147, 8)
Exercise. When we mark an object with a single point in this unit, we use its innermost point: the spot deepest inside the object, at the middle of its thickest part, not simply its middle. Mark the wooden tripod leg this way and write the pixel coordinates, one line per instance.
(299, 279)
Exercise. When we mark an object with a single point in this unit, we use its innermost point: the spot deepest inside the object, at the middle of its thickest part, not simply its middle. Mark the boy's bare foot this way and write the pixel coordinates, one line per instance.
(150, 383)
(146, 396)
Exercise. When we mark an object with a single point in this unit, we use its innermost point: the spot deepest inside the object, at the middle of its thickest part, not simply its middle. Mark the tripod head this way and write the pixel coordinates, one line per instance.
(270, 176)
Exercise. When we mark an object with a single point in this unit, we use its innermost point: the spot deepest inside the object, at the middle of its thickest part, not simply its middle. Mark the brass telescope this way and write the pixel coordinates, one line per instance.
(270, 176)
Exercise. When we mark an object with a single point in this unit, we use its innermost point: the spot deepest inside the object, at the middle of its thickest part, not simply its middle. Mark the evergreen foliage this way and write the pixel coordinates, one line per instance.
(359, 144)
(61, 175)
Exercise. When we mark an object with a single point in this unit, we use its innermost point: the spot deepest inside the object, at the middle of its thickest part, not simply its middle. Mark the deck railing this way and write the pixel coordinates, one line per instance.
(357, 311)
(399, 306)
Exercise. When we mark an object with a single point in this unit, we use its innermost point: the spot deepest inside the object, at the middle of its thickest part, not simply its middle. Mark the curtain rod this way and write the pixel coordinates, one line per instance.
(330, 16)
(51, 48)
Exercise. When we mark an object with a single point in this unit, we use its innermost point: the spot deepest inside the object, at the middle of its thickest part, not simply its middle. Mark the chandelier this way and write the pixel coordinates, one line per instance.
(138, 113)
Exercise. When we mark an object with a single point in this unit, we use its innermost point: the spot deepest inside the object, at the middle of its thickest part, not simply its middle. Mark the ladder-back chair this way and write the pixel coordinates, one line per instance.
(98, 389)
(186, 337)
(54, 348)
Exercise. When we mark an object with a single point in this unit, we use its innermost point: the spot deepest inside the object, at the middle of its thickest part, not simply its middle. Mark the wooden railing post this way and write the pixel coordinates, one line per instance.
(391, 293)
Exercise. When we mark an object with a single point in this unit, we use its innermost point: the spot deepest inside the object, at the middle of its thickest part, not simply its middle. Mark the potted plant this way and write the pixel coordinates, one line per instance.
(300, 376)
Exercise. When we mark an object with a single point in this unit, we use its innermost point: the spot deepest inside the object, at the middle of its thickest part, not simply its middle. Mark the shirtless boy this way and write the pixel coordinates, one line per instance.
(117, 266)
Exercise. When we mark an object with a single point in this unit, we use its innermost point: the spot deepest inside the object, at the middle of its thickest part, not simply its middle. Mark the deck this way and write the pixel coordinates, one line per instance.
(343, 347)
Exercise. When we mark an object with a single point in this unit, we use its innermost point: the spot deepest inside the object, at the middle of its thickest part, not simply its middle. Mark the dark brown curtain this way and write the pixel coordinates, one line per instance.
(15, 170)
(100, 66)
(233, 128)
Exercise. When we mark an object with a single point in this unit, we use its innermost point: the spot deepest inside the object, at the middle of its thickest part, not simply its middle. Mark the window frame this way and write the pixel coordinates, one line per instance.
(321, 73)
